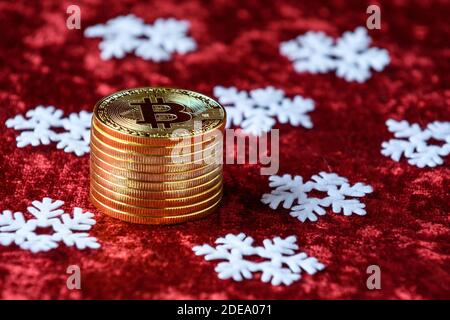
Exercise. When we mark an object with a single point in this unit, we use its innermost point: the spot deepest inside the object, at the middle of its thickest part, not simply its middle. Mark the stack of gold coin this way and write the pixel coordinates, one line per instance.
(156, 155)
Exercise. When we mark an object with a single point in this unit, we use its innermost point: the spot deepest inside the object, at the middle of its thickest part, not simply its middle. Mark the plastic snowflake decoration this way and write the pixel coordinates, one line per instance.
(349, 56)
(280, 265)
(38, 129)
(14, 228)
(413, 143)
(258, 110)
(292, 193)
(129, 34)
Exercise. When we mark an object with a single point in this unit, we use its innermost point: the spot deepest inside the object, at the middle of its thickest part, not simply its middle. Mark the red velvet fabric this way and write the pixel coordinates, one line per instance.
(406, 231)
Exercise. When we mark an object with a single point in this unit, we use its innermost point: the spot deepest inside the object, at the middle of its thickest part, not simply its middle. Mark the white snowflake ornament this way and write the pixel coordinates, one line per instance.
(413, 143)
(129, 24)
(129, 34)
(292, 193)
(311, 52)
(170, 35)
(257, 111)
(349, 56)
(14, 228)
(119, 35)
(280, 265)
(39, 124)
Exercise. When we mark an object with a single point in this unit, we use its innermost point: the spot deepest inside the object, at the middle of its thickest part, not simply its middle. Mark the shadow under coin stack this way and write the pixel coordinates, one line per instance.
(156, 155)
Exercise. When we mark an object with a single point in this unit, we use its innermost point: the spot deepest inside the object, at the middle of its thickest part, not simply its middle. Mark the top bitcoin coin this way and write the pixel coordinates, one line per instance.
(158, 113)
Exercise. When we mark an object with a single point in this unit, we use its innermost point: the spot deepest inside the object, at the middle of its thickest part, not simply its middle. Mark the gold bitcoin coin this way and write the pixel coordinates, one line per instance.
(214, 135)
(212, 152)
(209, 186)
(130, 163)
(127, 217)
(152, 177)
(179, 149)
(155, 186)
(153, 211)
(155, 203)
(152, 116)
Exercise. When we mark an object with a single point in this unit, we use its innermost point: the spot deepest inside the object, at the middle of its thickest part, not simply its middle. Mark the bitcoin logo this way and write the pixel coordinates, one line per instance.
(161, 112)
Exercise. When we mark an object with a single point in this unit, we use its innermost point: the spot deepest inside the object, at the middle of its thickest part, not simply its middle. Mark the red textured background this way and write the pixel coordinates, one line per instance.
(406, 231)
